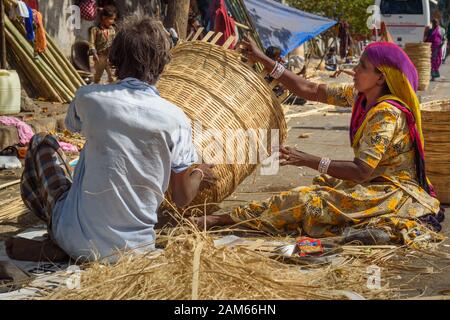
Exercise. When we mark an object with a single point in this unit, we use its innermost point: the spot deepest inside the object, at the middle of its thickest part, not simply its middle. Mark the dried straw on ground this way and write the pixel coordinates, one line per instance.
(224, 274)
(220, 93)
(420, 55)
(11, 209)
(191, 267)
(436, 130)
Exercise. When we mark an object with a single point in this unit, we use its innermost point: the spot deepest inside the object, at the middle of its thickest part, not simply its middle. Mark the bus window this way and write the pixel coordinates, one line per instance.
(401, 7)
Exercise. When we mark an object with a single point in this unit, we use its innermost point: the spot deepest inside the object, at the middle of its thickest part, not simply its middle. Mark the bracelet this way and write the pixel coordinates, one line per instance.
(277, 71)
(198, 170)
(324, 164)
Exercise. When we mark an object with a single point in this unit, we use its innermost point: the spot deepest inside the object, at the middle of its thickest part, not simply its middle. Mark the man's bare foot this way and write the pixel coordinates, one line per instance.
(32, 250)
(212, 221)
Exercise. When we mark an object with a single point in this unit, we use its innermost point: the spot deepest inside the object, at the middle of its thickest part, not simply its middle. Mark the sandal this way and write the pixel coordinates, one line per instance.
(10, 151)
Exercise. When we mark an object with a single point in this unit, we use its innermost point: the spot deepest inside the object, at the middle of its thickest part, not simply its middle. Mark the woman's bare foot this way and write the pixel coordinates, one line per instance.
(32, 250)
(209, 222)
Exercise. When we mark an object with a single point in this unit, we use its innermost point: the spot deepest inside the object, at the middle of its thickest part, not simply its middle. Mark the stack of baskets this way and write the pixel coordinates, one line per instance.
(436, 130)
(219, 92)
(420, 55)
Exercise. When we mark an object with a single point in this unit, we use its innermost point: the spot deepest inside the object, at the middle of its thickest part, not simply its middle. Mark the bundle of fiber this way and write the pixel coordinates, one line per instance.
(193, 266)
(436, 131)
(236, 116)
(11, 209)
(420, 54)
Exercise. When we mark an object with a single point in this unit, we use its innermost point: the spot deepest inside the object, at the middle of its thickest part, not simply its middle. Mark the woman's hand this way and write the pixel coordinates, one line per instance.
(251, 50)
(290, 156)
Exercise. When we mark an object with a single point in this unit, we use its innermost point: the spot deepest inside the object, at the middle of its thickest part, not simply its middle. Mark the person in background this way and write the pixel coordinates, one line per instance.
(331, 60)
(435, 36)
(195, 18)
(344, 38)
(448, 41)
(275, 54)
(101, 38)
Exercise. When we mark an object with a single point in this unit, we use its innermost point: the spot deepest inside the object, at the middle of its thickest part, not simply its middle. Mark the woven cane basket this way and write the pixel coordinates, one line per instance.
(420, 55)
(436, 130)
(217, 90)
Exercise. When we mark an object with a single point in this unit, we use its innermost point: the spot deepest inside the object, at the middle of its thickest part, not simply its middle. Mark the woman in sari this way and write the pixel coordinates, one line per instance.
(384, 186)
(436, 37)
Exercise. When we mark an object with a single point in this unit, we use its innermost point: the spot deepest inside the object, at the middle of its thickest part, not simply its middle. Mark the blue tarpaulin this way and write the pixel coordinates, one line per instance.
(283, 26)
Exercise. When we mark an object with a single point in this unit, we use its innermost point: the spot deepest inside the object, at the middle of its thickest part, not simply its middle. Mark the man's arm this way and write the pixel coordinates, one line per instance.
(73, 121)
(186, 184)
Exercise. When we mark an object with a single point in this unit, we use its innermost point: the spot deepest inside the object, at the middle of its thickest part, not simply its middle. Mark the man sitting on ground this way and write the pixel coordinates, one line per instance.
(136, 143)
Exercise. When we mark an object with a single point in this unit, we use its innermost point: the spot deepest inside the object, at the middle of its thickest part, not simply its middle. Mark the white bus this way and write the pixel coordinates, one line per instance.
(405, 19)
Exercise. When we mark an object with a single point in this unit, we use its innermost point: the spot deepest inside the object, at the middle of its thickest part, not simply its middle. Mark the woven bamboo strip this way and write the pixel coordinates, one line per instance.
(208, 36)
(216, 37)
(229, 42)
(198, 33)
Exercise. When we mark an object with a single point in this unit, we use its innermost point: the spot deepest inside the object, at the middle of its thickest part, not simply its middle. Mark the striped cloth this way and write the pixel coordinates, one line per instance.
(44, 180)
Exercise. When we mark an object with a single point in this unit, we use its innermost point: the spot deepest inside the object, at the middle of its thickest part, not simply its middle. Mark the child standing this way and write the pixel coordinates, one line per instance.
(331, 60)
(100, 41)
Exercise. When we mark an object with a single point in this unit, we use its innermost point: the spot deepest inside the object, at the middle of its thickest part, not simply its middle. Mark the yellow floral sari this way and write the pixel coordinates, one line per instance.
(391, 199)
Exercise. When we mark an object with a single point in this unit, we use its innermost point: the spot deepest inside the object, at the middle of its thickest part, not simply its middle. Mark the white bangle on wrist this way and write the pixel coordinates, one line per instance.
(324, 164)
(198, 170)
(277, 71)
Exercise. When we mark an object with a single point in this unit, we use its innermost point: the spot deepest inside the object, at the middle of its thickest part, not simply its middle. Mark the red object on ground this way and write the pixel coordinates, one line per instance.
(309, 246)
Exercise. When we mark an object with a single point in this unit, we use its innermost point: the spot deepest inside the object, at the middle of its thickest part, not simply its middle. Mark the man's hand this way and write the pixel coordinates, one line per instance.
(186, 185)
(95, 57)
(209, 176)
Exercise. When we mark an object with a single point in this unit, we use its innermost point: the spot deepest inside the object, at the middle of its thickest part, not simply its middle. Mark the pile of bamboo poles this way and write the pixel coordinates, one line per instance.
(50, 74)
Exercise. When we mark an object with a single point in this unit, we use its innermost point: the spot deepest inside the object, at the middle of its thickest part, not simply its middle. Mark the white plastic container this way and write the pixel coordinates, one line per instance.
(9, 92)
